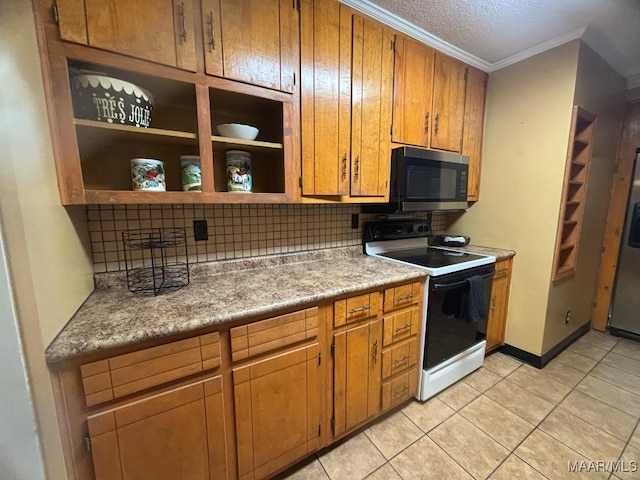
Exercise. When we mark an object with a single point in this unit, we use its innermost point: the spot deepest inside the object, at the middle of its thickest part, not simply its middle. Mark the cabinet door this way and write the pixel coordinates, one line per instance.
(473, 128)
(412, 92)
(254, 41)
(499, 304)
(371, 98)
(448, 103)
(277, 411)
(158, 30)
(176, 434)
(357, 370)
(325, 97)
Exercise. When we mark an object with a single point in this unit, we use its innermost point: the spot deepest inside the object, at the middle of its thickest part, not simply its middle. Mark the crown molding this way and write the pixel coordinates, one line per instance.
(423, 36)
(408, 28)
(633, 81)
(541, 47)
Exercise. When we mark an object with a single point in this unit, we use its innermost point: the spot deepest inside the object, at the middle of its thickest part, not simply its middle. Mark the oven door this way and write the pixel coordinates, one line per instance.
(448, 330)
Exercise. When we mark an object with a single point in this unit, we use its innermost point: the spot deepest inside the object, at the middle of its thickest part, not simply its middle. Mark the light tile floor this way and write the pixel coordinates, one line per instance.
(507, 421)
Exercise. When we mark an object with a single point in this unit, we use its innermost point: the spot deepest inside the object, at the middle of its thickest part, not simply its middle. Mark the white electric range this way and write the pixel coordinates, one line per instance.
(452, 343)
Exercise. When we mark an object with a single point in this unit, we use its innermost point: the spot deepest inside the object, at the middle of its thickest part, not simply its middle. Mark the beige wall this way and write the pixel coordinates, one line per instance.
(525, 144)
(49, 268)
(600, 90)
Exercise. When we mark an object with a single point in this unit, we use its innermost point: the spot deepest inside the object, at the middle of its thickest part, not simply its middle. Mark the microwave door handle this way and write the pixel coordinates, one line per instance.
(461, 283)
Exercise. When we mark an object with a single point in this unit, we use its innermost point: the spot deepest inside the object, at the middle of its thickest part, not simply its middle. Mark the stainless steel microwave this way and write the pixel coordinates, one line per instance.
(425, 180)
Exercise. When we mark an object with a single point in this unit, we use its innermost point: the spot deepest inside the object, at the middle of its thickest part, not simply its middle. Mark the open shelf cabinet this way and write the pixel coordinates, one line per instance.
(94, 157)
(574, 193)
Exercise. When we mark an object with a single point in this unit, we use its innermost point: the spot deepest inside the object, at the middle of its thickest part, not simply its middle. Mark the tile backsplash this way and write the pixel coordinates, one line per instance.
(235, 231)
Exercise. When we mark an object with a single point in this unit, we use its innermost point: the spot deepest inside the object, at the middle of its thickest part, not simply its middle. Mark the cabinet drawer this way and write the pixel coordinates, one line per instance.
(356, 308)
(272, 333)
(401, 326)
(402, 296)
(133, 372)
(399, 389)
(399, 358)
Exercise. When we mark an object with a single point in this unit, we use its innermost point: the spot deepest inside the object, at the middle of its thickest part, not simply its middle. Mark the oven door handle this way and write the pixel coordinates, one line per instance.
(461, 283)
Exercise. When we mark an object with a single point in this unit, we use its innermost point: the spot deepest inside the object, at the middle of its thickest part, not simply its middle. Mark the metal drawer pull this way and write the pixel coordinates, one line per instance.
(344, 166)
(404, 297)
(406, 325)
(400, 392)
(359, 309)
(402, 360)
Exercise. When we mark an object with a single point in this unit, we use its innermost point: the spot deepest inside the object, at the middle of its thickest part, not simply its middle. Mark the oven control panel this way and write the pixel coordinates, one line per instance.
(395, 230)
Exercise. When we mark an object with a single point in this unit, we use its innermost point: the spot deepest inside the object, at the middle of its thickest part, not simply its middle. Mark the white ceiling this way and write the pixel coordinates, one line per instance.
(492, 34)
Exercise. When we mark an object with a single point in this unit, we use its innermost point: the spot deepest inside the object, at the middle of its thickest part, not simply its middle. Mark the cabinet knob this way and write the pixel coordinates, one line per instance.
(357, 171)
(426, 123)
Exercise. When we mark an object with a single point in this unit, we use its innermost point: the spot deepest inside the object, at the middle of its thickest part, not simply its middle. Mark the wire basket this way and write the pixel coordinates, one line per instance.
(156, 260)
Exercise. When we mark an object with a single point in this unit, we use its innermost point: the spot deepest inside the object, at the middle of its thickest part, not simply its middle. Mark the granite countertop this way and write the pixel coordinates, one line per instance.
(220, 292)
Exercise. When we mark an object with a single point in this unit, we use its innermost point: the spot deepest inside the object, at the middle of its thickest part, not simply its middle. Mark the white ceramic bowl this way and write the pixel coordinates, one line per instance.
(237, 130)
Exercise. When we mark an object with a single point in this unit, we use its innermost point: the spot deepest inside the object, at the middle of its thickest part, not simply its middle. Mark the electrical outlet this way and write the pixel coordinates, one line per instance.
(567, 318)
(200, 230)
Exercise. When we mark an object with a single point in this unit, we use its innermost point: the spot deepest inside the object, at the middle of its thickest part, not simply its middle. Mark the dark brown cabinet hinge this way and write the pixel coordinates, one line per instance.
(56, 18)
(87, 443)
(393, 45)
(333, 349)
(333, 425)
(319, 358)
(319, 431)
(300, 181)
(391, 130)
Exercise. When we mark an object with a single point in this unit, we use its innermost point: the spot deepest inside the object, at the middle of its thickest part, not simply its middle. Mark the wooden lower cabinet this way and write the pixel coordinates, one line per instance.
(176, 434)
(357, 369)
(244, 402)
(277, 411)
(498, 308)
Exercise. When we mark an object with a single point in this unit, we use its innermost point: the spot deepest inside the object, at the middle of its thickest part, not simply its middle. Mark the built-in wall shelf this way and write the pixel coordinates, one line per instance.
(574, 193)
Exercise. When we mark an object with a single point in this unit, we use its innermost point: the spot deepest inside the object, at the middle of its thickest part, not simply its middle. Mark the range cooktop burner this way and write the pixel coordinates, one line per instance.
(431, 257)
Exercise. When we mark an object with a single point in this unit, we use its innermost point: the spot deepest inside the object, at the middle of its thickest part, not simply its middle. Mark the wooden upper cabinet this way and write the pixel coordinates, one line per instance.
(253, 41)
(448, 103)
(325, 97)
(428, 97)
(346, 97)
(371, 98)
(473, 128)
(161, 31)
(412, 92)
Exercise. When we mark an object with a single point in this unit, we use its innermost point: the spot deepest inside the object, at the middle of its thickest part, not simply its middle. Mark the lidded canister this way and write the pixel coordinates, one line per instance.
(190, 173)
(239, 177)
